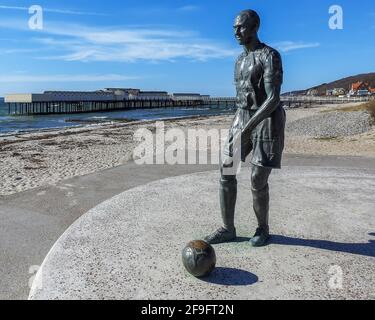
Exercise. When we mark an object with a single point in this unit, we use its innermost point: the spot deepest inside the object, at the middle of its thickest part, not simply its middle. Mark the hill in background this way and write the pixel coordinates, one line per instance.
(342, 83)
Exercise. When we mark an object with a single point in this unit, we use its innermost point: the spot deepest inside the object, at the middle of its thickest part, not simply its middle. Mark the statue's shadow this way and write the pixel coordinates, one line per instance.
(242, 239)
(231, 277)
(364, 249)
(238, 277)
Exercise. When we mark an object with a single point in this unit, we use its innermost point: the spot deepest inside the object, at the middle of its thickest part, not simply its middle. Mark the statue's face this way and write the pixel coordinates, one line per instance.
(245, 29)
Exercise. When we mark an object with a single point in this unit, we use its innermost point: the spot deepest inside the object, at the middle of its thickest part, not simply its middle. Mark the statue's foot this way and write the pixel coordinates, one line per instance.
(221, 235)
(260, 237)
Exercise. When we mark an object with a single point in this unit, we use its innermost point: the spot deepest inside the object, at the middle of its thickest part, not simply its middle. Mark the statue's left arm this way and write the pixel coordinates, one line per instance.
(273, 78)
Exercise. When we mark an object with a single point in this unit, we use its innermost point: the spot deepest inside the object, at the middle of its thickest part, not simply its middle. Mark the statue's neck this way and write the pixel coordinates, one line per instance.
(252, 45)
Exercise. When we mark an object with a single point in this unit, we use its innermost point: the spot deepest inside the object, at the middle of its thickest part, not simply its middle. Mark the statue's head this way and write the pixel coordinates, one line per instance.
(246, 26)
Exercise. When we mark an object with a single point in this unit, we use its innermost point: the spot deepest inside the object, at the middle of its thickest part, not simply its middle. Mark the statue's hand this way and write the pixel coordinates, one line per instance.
(227, 162)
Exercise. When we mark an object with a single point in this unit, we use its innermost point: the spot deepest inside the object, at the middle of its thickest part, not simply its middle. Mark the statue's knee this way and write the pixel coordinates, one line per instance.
(227, 181)
(259, 180)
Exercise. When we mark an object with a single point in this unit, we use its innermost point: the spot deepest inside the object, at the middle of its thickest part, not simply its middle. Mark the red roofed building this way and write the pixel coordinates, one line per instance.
(360, 85)
(360, 88)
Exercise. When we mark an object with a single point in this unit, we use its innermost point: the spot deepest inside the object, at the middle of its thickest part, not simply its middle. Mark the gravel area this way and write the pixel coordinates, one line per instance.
(331, 124)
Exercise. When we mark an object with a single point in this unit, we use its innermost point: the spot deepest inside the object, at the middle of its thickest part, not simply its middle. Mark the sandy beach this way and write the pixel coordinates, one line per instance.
(40, 158)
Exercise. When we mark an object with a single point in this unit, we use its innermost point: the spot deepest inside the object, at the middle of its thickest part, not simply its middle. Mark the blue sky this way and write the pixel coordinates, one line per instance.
(177, 46)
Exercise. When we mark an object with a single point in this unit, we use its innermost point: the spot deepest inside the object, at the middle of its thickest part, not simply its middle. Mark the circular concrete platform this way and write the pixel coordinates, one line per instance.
(129, 247)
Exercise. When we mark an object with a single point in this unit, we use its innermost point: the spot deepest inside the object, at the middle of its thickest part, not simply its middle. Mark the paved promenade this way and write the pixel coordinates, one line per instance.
(128, 247)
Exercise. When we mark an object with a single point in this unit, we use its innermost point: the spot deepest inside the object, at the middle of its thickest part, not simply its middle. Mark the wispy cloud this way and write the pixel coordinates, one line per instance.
(22, 78)
(18, 50)
(83, 43)
(132, 44)
(188, 8)
(61, 11)
(286, 46)
(162, 11)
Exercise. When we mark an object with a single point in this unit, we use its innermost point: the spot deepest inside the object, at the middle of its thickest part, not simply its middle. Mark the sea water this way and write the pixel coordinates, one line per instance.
(10, 124)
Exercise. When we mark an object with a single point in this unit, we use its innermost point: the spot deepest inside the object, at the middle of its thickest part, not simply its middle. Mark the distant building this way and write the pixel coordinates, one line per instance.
(107, 94)
(361, 88)
(312, 92)
(205, 97)
(329, 92)
(339, 92)
(125, 92)
(61, 96)
(132, 93)
(189, 96)
(153, 95)
(360, 85)
(363, 92)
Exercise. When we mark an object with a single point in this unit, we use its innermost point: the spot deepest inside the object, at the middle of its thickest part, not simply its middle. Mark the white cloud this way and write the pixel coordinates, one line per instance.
(286, 46)
(61, 11)
(81, 43)
(18, 50)
(22, 78)
(128, 44)
(188, 8)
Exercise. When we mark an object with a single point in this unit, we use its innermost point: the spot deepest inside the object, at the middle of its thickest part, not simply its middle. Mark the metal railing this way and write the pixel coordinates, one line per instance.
(310, 99)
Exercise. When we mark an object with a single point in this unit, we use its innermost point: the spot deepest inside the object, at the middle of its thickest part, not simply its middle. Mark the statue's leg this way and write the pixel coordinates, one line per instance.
(260, 191)
(230, 162)
(228, 196)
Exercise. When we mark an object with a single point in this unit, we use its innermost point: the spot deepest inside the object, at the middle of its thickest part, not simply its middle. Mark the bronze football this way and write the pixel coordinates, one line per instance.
(199, 258)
